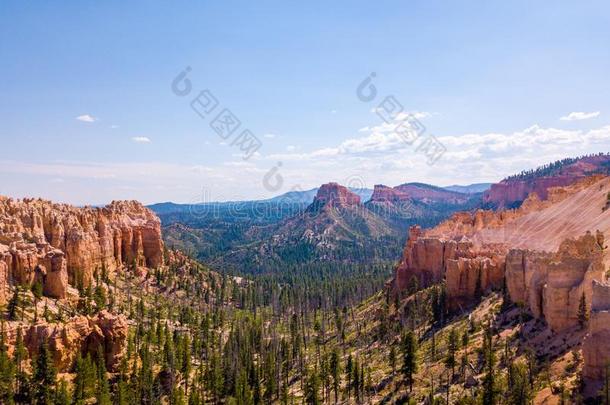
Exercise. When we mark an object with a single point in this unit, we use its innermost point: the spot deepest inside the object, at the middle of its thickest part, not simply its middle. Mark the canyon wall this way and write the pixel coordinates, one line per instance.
(552, 284)
(466, 270)
(597, 342)
(57, 244)
(543, 250)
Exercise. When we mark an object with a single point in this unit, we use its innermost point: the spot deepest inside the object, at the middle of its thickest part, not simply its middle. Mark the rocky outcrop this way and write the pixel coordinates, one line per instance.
(334, 195)
(428, 260)
(58, 243)
(388, 195)
(552, 284)
(471, 275)
(106, 332)
(512, 191)
(595, 345)
(423, 260)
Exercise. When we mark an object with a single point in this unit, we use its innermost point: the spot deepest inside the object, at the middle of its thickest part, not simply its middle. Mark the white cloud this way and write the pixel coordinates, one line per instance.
(269, 136)
(141, 139)
(87, 118)
(420, 115)
(578, 116)
(291, 148)
(333, 111)
(381, 156)
(114, 126)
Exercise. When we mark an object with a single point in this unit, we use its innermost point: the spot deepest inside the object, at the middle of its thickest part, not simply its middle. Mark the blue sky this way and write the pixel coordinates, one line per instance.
(490, 80)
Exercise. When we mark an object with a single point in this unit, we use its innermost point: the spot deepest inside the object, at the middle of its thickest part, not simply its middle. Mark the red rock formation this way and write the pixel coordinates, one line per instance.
(385, 194)
(474, 271)
(78, 335)
(552, 284)
(595, 346)
(478, 248)
(509, 193)
(423, 260)
(57, 243)
(512, 191)
(335, 195)
(431, 260)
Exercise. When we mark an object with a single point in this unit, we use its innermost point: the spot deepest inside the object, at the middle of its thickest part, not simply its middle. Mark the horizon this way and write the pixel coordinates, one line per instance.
(95, 113)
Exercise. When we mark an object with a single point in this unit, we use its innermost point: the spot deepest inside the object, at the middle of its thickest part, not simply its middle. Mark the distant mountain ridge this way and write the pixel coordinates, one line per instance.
(469, 189)
(307, 196)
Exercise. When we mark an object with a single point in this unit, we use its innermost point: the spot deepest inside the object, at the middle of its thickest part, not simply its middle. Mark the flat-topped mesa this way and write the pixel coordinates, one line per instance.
(59, 243)
(429, 193)
(595, 345)
(388, 195)
(334, 195)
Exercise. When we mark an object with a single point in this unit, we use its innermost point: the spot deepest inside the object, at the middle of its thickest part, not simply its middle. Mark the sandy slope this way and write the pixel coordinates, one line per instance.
(545, 229)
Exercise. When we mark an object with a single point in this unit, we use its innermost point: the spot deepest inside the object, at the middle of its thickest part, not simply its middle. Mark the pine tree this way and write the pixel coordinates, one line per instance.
(37, 292)
(186, 362)
(99, 297)
(409, 356)
(583, 313)
(23, 393)
(335, 371)
(392, 359)
(85, 379)
(520, 392)
(452, 347)
(489, 381)
(349, 368)
(7, 374)
(14, 304)
(63, 394)
(102, 394)
(312, 389)
(44, 377)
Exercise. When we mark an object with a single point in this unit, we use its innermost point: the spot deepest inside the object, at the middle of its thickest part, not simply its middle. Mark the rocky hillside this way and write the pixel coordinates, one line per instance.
(549, 254)
(511, 191)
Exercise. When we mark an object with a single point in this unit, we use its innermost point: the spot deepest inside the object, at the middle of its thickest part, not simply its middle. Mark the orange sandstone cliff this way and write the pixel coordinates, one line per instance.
(60, 247)
(58, 244)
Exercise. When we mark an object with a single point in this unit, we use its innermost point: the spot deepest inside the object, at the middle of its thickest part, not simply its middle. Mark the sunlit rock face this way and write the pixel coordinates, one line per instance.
(552, 284)
(333, 195)
(595, 346)
(510, 192)
(104, 332)
(58, 244)
(548, 252)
